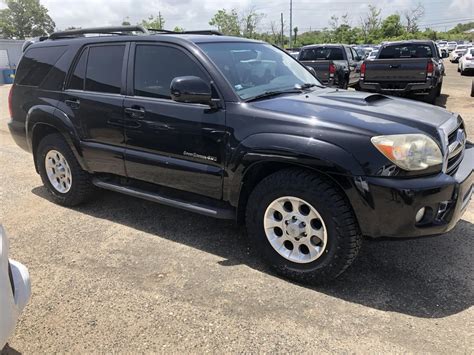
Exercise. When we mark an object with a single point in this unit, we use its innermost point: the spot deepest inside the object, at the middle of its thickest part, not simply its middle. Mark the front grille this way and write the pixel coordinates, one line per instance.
(456, 147)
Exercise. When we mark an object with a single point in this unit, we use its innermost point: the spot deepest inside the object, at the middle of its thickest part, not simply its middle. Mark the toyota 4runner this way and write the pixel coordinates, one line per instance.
(238, 129)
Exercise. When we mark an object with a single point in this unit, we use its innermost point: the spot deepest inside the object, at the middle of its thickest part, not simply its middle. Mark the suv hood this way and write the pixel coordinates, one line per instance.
(360, 111)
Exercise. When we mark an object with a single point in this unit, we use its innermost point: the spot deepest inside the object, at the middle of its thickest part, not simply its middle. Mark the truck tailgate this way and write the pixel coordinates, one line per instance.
(407, 70)
(321, 67)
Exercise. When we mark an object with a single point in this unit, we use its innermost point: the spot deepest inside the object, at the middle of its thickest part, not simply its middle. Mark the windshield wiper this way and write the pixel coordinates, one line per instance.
(307, 86)
(268, 94)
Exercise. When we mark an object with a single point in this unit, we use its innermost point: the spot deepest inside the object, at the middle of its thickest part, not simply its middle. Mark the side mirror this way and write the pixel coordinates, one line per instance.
(311, 70)
(190, 89)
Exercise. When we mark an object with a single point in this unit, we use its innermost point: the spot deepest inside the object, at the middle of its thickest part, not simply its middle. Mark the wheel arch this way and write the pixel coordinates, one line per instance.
(43, 120)
(252, 163)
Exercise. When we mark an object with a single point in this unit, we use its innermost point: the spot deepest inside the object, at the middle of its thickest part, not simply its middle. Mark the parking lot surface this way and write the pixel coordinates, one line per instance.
(122, 274)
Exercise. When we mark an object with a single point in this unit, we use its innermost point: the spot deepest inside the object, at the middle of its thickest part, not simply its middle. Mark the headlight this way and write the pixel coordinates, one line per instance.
(409, 151)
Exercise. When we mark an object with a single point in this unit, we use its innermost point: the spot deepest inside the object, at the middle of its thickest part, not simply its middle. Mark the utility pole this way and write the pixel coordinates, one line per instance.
(159, 17)
(291, 22)
(282, 33)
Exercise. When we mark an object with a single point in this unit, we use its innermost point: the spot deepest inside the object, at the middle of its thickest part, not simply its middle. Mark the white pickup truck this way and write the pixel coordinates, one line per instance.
(15, 290)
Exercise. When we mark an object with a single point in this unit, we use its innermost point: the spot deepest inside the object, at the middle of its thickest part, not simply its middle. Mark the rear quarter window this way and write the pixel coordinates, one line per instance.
(36, 64)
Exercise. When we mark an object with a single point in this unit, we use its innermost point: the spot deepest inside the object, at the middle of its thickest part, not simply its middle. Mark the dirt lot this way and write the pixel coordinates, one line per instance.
(122, 274)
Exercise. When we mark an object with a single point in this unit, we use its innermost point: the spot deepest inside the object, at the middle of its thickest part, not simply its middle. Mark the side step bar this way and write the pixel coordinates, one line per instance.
(216, 212)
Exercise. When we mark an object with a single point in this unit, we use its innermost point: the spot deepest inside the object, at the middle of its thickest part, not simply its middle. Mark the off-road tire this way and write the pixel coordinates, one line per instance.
(343, 236)
(81, 188)
(432, 95)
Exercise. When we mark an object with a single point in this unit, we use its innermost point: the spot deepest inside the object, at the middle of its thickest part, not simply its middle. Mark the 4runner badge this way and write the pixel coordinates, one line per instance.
(199, 156)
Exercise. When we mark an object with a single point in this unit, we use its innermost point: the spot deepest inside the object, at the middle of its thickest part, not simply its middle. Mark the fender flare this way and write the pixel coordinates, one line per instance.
(318, 155)
(44, 115)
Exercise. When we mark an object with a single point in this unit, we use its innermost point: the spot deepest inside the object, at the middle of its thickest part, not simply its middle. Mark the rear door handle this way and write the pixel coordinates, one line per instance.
(135, 112)
(74, 103)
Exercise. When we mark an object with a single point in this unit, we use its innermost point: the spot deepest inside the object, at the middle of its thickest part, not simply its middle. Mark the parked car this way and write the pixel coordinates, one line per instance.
(238, 129)
(406, 67)
(335, 64)
(373, 55)
(451, 46)
(458, 52)
(466, 62)
(15, 290)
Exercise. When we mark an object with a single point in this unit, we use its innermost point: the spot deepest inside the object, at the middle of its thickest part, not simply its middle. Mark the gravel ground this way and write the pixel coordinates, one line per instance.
(125, 275)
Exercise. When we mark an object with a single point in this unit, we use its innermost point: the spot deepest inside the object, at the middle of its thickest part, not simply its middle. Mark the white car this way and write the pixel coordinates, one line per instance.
(372, 55)
(451, 46)
(15, 290)
(458, 52)
(466, 62)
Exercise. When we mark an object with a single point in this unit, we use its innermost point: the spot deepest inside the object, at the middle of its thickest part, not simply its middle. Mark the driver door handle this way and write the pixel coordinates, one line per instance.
(135, 112)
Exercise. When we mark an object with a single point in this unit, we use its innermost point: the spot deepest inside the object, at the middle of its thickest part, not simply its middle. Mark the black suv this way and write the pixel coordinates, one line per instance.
(238, 129)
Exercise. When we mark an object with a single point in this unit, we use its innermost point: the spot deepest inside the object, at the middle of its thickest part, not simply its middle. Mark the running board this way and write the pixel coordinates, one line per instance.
(216, 212)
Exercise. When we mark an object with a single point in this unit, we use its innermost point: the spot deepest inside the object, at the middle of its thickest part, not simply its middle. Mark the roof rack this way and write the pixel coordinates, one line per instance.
(112, 30)
(197, 32)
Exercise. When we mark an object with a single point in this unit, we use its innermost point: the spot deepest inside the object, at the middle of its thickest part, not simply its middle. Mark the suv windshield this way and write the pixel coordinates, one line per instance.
(254, 69)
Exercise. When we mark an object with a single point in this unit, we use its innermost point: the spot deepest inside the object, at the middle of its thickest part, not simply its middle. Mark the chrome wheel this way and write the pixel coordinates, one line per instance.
(58, 171)
(295, 229)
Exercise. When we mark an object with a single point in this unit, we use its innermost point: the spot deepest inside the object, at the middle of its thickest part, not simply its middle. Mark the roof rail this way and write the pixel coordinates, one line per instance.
(113, 30)
(197, 32)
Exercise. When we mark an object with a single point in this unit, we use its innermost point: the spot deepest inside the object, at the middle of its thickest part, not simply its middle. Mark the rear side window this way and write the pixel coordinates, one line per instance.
(104, 69)
(348, 53)
(406, 51)
(322, 53)
(157, 66)
(79, 74)
(37, 63)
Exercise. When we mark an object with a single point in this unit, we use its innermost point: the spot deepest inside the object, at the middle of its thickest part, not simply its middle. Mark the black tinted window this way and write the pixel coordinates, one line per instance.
(36, 64)
(406, 51)
(322, 53)
(157, 66)
(104, 69)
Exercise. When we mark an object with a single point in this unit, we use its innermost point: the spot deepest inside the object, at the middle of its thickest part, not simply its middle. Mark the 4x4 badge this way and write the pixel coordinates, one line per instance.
(199, 156)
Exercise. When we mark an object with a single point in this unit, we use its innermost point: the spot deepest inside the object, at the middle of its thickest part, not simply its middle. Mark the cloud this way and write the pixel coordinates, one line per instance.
(195, 14)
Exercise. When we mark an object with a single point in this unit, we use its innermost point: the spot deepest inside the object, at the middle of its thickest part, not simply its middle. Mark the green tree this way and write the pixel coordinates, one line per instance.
(25, 18)
(154, 22)
(370, 25)
(249, 22)
(226, 22)
(178, 29)
(392, 26)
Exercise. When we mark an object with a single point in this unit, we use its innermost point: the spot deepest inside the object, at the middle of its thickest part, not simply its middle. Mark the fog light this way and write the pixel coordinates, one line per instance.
(420, 214)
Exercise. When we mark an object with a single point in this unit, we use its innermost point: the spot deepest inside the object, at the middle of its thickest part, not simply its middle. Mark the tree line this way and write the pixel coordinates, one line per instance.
(28, 18)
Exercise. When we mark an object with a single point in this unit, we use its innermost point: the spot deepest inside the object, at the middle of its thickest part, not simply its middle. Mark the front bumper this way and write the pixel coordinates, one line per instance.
(15, 290)
(386, 207)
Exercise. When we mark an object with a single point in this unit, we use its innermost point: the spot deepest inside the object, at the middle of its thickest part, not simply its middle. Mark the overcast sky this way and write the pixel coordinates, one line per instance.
(195, 14)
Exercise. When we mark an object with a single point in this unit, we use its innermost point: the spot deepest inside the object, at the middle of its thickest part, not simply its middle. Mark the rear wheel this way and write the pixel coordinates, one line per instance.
(432, 95)
(62, 175)
(440, 88)
(302, 226)
(472, 89)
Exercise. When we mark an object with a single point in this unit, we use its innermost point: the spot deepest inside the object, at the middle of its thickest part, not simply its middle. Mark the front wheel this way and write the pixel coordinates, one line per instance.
(62, 175)
(303, 226)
